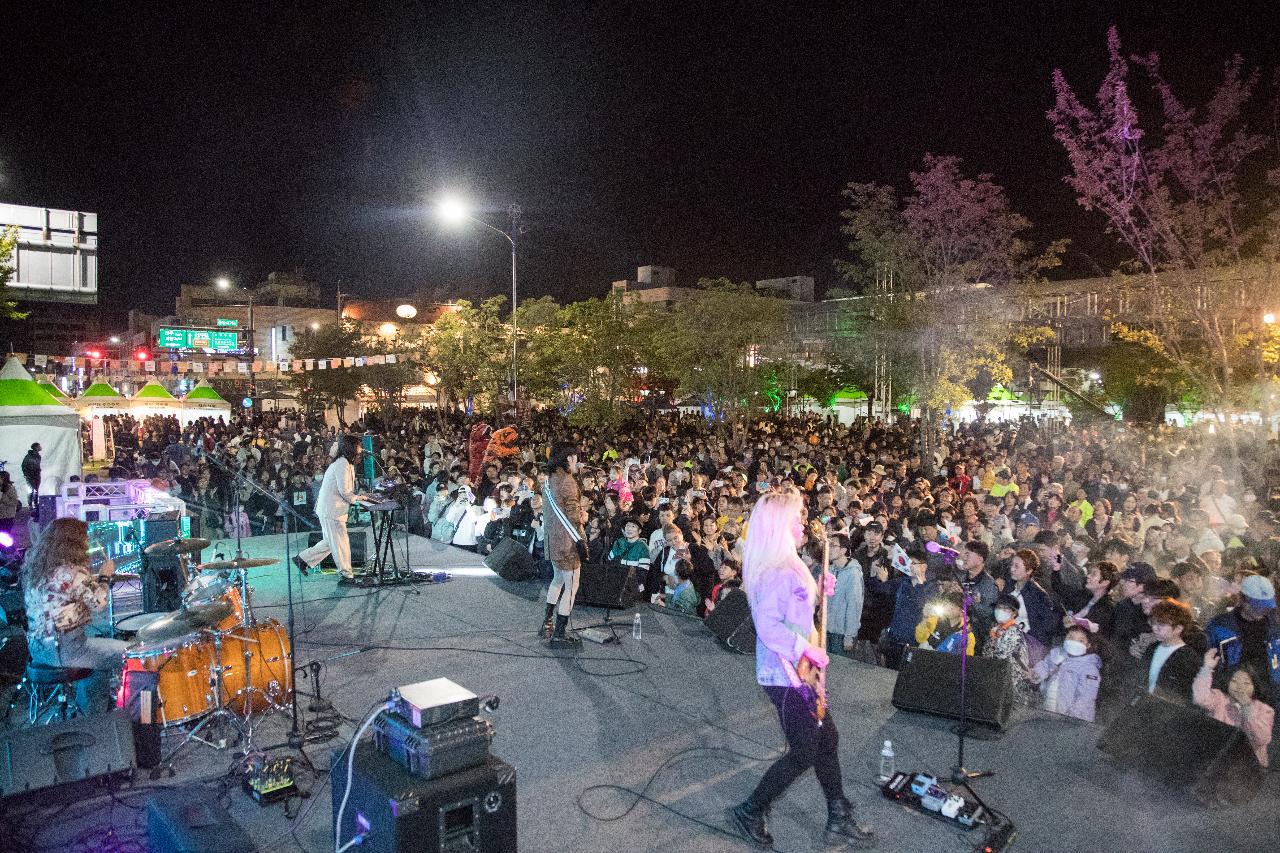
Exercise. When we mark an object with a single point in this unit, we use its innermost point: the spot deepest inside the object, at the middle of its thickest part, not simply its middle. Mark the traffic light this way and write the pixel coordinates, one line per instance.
(142, 355)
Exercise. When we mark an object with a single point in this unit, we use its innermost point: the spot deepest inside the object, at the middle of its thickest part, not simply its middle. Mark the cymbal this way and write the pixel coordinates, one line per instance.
(176, 546)
(234, 565)
(170, 626)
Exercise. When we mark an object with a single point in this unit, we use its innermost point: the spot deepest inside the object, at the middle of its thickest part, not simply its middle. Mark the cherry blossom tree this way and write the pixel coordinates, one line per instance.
(940, 269)
(1169, 190)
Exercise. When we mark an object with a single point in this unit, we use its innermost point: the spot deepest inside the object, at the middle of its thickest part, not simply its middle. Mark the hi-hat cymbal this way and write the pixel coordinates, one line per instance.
(234, 565)
(191, 545)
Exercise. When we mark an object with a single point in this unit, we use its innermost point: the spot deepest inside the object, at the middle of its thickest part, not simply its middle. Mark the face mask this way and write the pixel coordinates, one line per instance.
(1003, 616)
(1075, 648)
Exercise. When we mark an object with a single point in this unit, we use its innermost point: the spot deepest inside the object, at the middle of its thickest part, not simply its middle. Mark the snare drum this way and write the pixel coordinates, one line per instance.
(270, 667)
(213, 602)
(177, 671)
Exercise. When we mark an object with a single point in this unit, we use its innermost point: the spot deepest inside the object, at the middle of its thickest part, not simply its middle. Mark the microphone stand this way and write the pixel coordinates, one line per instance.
(294, 737)
(1001, 834)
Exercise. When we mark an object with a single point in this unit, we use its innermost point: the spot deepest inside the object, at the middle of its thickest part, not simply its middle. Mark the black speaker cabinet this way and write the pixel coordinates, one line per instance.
(359, 539)
(731, 622)
(162, 582)
(183, 820)
(472, 810)
(52, 759)
(606, 585)
(929, 682)
(512, 561)
(1183, 743)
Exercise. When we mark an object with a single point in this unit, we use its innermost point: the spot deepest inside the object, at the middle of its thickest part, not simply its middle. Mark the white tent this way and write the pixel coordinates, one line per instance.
(154, 399)
(100, 399)
(29, 414)
(203, 401)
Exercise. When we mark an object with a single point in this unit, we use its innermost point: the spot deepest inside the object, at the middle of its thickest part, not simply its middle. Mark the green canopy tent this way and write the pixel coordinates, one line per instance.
(203, 401)
(30, 414)
(154, 399)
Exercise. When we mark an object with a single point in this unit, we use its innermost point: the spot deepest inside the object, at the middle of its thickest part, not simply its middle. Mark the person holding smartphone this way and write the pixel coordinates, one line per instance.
(62, 595)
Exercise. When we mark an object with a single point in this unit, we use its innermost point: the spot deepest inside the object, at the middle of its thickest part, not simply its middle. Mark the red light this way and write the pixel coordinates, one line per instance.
(142, 355)
(93, 353)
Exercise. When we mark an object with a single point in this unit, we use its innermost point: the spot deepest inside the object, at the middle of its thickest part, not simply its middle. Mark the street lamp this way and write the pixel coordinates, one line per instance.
(406, 311)
(225, 284)
(453, 211)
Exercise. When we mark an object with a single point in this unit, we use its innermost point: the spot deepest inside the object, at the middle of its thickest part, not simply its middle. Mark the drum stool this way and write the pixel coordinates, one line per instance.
(49, 691)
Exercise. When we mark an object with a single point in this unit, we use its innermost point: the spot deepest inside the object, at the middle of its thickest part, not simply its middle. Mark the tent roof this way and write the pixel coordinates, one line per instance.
(22, 396)
(100, 389)
(53, 390)
(204, 391)
(153, 390)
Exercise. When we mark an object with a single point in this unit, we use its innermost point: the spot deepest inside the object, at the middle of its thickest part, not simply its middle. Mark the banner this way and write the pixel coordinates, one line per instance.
(210, 365)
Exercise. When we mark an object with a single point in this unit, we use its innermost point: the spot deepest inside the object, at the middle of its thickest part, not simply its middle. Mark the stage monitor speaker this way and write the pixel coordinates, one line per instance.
(512, 561)
(183, 820)
(359, 539)
(929, 682)
(606, 585)
(59, 755)
(1185, 744)
(472, 810)
(162, 583)
(731, 622)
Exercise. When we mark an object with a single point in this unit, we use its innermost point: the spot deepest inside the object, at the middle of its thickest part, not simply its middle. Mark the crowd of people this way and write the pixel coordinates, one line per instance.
(1098, 561)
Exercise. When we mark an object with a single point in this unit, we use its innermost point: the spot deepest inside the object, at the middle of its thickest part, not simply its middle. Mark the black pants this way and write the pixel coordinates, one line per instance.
(809, 744)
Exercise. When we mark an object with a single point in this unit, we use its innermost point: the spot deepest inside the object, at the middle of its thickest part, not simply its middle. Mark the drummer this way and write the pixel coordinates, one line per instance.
(62, 594)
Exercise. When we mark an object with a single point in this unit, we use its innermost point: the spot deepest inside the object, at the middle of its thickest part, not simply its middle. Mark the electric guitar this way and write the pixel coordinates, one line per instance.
(811, 675)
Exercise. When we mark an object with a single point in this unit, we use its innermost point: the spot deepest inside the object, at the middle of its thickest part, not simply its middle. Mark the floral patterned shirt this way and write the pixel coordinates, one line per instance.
(65, 602)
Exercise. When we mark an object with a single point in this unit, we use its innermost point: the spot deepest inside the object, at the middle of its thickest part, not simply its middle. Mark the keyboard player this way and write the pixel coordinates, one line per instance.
(333, 502)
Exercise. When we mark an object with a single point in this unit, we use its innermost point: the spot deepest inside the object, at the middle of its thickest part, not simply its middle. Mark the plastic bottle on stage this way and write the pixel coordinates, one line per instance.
(887, 768)
(635, 628)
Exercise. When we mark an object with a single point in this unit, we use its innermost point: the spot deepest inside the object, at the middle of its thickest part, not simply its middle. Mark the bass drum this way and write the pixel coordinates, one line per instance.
(176, 672)
(268, 678)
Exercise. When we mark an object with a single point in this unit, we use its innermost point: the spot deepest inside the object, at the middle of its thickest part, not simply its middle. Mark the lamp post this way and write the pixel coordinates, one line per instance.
(455, 212)
(225, 284)
(1264, 392)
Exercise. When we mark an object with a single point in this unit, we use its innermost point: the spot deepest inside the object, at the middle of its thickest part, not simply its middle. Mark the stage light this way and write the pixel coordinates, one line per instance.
(6, 539)
(142, 355)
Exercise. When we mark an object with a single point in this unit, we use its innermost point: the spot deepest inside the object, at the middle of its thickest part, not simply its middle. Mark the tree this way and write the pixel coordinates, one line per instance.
(387, 382)
(467, 350)
(940, 270)
(330, 387)
(8, 241)
(716, 345)
(1170, 192)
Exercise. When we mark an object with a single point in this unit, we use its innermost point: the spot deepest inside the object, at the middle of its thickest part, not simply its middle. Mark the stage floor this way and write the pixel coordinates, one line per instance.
(677, 716)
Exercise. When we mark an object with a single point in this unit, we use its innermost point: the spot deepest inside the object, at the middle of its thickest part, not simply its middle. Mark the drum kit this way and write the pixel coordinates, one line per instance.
(211, 660)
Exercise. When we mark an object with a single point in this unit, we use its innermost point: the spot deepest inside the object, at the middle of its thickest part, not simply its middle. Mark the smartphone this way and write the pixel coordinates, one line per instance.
(1223, 646)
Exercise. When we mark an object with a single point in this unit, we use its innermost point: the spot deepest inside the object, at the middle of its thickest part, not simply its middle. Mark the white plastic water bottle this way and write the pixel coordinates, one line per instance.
(635, 627)
(887, 768)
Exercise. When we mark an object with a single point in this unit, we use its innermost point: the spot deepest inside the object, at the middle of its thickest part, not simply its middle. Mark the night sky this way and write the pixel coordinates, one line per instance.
(217, 138)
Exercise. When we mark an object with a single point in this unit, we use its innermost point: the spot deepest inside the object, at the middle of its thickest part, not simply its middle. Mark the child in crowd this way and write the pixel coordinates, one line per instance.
(730, 572)
(683, 598)
(1007, 641)
(1069, 677)
(940, 629)
(1243, 705)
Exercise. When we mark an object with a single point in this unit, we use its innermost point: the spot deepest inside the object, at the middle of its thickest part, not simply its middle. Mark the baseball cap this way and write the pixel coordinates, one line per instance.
(1259, 591)
(1028, 517)
(874, 525)
(1138, 572)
